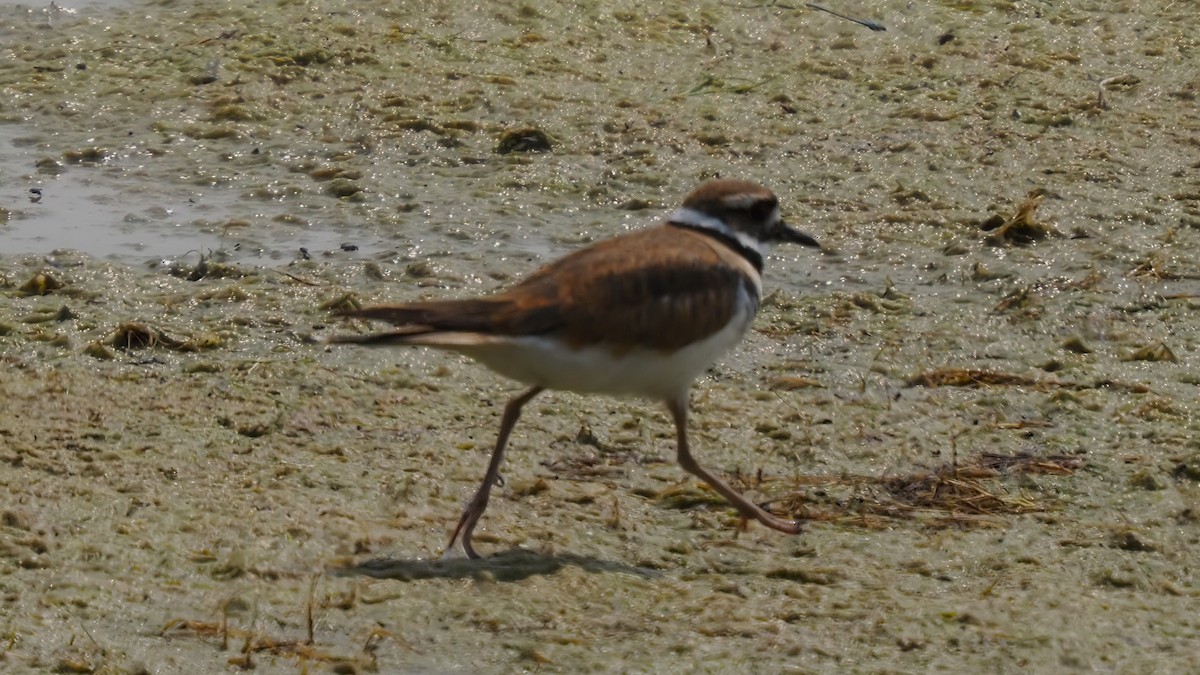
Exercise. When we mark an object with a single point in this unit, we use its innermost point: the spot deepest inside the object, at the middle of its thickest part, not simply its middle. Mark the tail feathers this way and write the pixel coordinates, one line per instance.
(404, 336)
(451, 324)
(457, 340)
(495, 315)
(453, 315)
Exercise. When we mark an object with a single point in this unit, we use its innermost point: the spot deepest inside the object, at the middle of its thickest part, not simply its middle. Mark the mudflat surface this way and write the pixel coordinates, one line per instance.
(982, 393)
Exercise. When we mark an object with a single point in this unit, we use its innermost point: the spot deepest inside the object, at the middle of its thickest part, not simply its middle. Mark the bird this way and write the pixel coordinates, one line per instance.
(641, 314)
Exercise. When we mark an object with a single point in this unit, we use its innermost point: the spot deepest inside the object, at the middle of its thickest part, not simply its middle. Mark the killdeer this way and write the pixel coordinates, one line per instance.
(641, 314)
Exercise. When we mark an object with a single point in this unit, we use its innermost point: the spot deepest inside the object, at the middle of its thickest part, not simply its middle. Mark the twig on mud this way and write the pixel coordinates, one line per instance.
(949, 495)
(297, 279)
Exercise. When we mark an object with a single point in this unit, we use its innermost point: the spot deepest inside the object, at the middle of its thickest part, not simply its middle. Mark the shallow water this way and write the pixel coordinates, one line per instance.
(219, 474)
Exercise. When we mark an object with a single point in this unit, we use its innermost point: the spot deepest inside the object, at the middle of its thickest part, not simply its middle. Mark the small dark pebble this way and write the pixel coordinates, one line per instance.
(1187, 470)
(527, 139)
(992, 223)
(945, 37)
(349, 247)
(1130, 541)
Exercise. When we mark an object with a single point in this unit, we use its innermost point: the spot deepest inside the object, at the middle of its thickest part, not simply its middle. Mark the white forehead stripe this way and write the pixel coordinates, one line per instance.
(694, 218)
(742, 200)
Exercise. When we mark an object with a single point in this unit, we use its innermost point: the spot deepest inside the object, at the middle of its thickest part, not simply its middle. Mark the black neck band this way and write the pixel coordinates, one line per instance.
(752, 256)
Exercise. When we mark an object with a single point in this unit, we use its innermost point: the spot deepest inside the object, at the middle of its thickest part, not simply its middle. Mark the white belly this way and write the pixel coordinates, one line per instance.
(597, 370)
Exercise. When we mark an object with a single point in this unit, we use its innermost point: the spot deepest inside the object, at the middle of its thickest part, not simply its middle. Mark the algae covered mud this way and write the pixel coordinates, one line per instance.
(983, 393)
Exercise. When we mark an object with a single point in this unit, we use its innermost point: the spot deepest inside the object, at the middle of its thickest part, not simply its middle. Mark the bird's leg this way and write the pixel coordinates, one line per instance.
(478, 503)
(747, 508)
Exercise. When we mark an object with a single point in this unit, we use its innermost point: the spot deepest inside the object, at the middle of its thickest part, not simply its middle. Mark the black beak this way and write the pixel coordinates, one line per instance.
(787, 233)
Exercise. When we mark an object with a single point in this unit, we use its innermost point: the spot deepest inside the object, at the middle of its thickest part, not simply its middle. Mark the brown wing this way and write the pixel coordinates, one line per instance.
(660, 288)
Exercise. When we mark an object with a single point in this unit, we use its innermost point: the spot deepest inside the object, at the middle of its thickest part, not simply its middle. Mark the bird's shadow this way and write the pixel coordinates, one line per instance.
(512, 565)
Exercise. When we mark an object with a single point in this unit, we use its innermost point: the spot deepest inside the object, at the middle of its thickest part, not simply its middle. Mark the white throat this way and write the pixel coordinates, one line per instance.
(694, 218)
